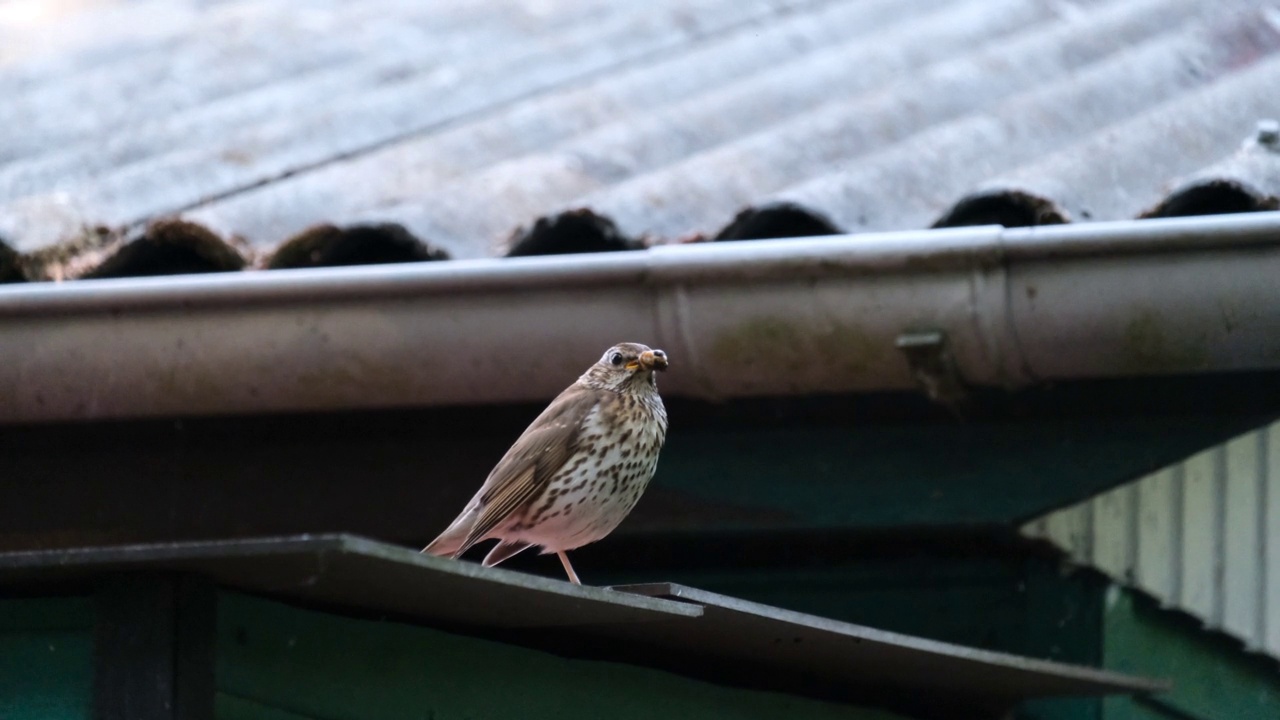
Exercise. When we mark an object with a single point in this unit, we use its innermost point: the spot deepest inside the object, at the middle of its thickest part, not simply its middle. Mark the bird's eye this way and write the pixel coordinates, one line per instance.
(616, 359)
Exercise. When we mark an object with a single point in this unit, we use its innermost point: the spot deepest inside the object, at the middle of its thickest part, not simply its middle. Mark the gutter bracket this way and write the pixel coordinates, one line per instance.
(928, 353)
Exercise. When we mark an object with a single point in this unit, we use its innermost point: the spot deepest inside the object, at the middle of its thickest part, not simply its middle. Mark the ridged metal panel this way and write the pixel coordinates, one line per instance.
(462, 121)
(1202, 536)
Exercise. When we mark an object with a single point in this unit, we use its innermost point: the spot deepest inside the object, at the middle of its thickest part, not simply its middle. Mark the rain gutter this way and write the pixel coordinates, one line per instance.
(958, 308)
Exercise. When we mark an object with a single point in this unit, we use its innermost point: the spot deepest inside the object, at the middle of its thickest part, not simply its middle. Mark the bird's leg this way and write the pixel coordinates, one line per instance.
(564, 560)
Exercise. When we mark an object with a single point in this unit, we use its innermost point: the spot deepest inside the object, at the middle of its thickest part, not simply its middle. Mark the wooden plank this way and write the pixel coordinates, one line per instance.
(46, 659)
(1243, 550)
(1212, 679)
(153, 649)
(1159, 507)
(1201, 536)
(314, 664)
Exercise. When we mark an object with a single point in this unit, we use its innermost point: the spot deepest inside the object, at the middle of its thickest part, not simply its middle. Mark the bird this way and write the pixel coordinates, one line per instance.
(577, 471)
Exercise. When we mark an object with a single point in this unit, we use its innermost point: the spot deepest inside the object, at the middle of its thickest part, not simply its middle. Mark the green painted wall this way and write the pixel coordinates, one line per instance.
(46, 659)
(915, 474)
(1214, 679)
(825, 464)
(277, 662)
(230, 707)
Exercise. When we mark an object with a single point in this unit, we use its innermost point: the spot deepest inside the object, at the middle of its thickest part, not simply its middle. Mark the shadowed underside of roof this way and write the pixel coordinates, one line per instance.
(159, 138)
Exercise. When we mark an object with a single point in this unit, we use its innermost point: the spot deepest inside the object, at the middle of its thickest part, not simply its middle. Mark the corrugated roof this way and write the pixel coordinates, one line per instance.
(410, 132)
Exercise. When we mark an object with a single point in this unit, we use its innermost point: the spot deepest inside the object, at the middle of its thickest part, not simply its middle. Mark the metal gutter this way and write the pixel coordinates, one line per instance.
(798, 316)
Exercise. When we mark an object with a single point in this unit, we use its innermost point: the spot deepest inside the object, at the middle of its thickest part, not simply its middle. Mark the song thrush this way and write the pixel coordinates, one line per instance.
(577, 471)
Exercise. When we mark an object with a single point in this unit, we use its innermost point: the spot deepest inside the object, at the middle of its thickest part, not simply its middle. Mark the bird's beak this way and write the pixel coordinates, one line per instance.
(650, 360)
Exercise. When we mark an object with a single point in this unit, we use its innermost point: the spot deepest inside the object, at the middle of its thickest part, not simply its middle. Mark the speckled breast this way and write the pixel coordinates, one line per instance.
(617, 453)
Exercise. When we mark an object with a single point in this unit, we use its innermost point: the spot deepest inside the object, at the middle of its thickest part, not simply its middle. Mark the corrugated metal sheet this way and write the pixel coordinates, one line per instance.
(439, 127)
(1202, 536)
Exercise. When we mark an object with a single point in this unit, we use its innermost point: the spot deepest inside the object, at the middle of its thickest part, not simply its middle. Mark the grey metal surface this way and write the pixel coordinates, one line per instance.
(744, 319)
(463, 121)
(871, 658)
(898, 158)
(1101, 176)
(360, 574)
(363, 575)
(1202, 536)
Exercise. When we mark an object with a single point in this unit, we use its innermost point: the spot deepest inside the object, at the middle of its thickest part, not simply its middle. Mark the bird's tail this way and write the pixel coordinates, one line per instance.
(453, 541)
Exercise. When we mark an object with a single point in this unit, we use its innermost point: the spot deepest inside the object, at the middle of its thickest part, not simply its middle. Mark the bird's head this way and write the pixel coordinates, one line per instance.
(626, 367)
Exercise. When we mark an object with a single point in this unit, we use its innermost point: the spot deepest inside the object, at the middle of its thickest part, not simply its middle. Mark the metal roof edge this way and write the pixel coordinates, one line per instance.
(739, 319)
(353, 574)
(299, 566)
(1102, 680)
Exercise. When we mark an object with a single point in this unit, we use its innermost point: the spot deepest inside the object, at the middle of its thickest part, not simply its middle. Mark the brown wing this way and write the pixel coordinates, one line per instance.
(544, 448)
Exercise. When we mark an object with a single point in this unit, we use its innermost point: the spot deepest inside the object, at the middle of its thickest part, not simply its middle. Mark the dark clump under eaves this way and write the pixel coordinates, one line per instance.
(10, 265)
(170, 247)
(777, 220)
(1213, 197)
(1010, 208)
(574, 231)
(333, 246)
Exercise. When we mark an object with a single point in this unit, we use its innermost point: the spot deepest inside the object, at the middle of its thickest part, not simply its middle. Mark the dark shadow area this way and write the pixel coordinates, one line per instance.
(574, 231)
(10, 264)
(779, 220)
(819, 464)
(332, 246)
(1215, 197)
(170, 247)
(1010, 208)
